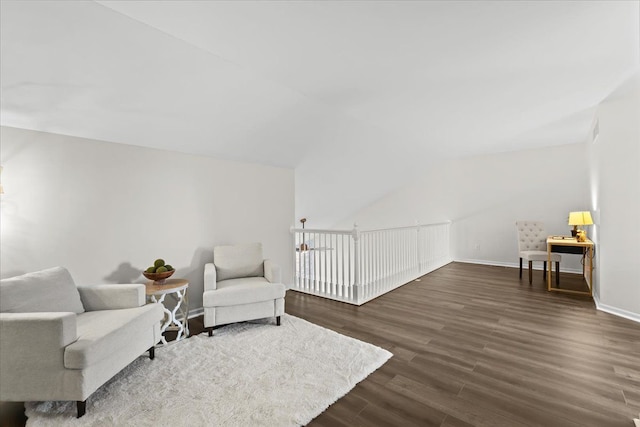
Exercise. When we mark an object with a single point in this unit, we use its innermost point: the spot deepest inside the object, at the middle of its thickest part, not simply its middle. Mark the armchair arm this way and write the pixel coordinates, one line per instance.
(33, 342)
(112, 297)
(210, 277)
(272, 272)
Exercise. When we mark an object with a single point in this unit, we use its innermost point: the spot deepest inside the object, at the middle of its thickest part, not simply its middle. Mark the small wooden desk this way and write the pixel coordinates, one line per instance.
(571, 245)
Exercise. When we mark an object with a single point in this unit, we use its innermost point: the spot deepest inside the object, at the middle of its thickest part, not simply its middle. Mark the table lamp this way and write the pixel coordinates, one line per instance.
(579, 218)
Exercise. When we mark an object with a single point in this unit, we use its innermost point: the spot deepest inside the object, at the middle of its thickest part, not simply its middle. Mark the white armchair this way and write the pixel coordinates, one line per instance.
(240, 285)
(62, 342)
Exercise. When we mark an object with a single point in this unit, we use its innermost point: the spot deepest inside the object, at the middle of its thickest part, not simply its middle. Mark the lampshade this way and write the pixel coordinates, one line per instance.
(580, 218)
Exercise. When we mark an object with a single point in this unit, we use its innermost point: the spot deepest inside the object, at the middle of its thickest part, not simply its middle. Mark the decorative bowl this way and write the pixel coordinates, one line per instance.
(158, 278)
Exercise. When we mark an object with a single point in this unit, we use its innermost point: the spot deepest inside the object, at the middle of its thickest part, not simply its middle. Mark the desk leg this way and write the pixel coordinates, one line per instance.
(587, 271)
(549, 264)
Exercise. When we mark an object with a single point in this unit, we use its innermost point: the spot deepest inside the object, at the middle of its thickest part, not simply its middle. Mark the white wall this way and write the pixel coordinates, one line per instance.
(485, 195)
(615, 198)
(106, 211)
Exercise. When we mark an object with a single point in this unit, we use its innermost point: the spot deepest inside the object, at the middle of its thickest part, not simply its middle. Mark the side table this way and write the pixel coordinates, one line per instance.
(177, 288)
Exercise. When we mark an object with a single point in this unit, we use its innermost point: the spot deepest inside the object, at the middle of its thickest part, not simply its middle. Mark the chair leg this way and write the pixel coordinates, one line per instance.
(530, 272)
(557, 273)
(521, 268)
(152, 353)
(544, 271)
(210, 331)
(278, 320)
(82, 407)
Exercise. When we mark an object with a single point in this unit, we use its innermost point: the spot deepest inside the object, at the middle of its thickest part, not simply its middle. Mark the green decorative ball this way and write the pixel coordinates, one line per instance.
(158, 263)
(150, 270)
(168, 267)
(161, 269)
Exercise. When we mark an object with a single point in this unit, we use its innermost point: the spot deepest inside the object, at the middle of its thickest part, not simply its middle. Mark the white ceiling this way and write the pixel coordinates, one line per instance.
(359, 97)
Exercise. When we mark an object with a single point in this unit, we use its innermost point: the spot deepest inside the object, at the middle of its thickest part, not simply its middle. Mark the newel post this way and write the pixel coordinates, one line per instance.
(356, 262)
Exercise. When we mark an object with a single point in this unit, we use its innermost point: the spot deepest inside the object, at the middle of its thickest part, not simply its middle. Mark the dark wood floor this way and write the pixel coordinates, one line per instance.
(475, 346)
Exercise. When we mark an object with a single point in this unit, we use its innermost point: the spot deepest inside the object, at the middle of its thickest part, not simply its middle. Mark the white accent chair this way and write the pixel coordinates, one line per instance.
(62, 342)
(240, 285)
(532, 246)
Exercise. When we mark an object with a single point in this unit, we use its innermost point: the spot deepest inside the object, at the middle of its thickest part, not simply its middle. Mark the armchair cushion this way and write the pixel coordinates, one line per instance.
(99, 332)
(51, 290)
(243, 291)
(112, 297)
(238, 261)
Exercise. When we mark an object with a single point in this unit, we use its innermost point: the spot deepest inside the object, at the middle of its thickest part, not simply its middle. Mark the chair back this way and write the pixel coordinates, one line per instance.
(532, 236)
(51, 290)
(237, 261)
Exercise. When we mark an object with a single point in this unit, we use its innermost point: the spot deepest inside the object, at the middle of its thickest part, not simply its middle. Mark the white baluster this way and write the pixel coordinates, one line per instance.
(333, 255)
(300, 278)
(385, 245)
(356, 266)
(323, 264)
(369, 262)
(345, 246)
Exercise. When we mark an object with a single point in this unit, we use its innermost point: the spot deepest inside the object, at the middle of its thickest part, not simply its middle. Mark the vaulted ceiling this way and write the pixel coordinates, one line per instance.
(358, 97)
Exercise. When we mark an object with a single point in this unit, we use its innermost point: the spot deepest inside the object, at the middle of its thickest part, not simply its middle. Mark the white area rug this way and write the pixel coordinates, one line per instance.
(247, 374)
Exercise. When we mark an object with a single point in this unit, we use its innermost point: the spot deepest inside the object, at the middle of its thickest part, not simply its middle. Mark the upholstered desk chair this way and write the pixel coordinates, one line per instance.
(240, 285)
(532, 246)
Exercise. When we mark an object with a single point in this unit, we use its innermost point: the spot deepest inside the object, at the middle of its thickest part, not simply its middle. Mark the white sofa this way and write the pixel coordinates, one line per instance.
(62, 342)
(240, 285)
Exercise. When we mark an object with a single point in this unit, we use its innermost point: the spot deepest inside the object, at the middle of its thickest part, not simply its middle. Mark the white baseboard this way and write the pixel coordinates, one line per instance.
(196, 312)
(536, 266)
(616, 311)
(192, 313)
